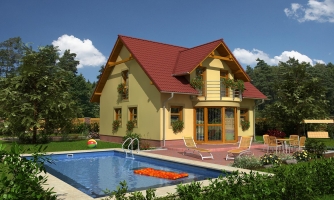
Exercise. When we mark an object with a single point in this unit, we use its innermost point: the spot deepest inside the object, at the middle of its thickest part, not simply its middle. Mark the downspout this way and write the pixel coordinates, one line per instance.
(254, 138)
(164, 119)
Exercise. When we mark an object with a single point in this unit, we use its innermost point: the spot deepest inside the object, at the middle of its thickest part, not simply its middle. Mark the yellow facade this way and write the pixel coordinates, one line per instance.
(153, 121)
(142, 95)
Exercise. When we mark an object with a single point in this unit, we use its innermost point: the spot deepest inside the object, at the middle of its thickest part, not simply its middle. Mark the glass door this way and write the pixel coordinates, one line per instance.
(214, 130)
(230, 133)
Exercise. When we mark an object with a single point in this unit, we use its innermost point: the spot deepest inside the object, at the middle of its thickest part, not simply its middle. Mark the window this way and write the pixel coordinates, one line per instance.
(125, 81)
(244, 115)
(133, 115)
(175, 113)
(223, 89)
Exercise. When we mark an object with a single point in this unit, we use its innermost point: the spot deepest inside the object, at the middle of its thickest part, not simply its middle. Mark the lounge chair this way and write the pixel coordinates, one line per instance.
(191, 146)
(244, 147)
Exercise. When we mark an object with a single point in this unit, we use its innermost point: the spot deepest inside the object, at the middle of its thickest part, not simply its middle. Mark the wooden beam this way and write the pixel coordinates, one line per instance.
(111, 64)
(227, 58)
(238, 71)
(98, 94)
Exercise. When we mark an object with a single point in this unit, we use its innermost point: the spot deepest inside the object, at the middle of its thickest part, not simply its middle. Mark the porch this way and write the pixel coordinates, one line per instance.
(218, 151)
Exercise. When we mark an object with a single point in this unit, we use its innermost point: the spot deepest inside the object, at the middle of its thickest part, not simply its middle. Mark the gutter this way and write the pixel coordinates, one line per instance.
(164, 119)
(254, 139)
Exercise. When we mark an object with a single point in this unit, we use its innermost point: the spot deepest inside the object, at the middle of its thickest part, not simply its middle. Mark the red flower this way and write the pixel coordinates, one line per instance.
(160, 173)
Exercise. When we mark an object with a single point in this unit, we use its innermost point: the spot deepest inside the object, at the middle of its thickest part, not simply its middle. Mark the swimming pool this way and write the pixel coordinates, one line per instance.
(94, 172)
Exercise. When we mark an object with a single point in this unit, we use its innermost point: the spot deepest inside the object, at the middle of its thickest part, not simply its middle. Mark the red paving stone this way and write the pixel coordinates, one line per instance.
(218, 151)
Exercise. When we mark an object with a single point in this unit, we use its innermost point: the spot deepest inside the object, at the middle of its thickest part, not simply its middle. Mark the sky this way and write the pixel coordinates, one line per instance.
(270, 30)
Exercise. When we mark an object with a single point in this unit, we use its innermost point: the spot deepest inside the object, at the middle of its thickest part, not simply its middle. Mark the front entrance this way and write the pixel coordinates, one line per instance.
(215, 124)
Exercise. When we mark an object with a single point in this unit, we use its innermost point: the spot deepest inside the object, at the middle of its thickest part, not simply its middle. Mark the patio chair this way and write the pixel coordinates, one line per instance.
(273, 143)
(302, 141)
(294, 142)
(266, 142)
(244, 147)
(191, 146)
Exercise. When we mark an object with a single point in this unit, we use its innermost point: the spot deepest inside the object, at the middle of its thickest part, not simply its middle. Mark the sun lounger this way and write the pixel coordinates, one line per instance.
(244, 147)
(191, 146)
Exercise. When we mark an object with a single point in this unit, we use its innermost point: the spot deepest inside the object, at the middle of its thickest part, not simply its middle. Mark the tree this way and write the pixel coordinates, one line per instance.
(11, 52)
(81, 91)
(37, 102)
(101, 71)
(68, 62)
(299, 96)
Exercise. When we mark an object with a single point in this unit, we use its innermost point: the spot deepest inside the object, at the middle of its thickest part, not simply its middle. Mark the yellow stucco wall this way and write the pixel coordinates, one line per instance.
(247, 104)
(186, 103)
(142, 95)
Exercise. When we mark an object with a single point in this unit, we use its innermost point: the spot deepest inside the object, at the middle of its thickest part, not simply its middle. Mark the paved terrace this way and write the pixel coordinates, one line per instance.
(172, 153)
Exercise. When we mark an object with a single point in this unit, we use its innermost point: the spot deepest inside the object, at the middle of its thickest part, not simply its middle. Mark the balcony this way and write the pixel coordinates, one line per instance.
(216, 90)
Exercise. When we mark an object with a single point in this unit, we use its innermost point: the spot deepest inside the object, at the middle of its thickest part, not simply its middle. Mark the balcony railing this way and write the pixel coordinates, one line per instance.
(216, 90)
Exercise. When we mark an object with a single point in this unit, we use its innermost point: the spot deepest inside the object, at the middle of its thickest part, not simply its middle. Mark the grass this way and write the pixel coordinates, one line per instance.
(66, 145)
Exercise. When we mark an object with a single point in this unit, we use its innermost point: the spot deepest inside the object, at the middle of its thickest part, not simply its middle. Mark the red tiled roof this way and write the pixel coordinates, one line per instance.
(190, 58)
(251, 92)
(161, 61)
(158, 61)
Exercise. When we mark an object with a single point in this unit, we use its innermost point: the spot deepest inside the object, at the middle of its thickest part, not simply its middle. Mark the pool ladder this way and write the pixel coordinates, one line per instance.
(130, 145)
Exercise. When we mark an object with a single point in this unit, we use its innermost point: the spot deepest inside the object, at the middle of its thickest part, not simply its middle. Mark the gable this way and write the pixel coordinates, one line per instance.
(189, 59)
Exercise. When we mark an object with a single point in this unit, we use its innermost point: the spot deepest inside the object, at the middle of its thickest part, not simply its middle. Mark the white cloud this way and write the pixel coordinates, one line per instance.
(87, 54)
(319, 61)
(313, 11)
(249, 57)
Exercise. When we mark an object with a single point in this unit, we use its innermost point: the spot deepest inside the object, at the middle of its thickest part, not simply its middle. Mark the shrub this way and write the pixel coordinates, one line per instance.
(304, 181)
(270, 159)
(94, 127)
(132, 136)
(22, 178)
(115, 125)
(276, 133)
(130, 125)
(245, 125)
(177, 126)
(302, 156)
(246, 162)
(145, 146)
(315, 147)
(330, 130)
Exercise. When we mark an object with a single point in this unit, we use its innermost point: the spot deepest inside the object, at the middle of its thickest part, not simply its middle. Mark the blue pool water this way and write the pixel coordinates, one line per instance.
(94, 172)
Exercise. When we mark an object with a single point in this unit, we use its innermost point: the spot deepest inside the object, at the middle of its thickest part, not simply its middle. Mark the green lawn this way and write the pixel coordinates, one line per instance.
(67, 146)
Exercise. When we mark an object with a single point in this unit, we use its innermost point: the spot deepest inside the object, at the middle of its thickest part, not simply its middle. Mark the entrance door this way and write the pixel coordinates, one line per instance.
(214, 127)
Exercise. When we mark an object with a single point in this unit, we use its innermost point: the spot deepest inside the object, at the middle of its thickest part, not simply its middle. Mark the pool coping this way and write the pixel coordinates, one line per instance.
(65, 191)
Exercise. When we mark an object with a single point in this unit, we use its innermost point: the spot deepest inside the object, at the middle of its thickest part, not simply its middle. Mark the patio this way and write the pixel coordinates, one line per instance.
(218, 151)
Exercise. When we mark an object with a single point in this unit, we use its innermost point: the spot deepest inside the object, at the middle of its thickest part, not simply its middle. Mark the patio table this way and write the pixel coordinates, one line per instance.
(285, 146)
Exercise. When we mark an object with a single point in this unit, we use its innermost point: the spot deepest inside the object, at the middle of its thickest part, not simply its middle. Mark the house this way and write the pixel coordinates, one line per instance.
(153, 84)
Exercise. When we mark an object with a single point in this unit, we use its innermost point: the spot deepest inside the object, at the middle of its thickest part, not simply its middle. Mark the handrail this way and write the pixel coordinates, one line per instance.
(125, 142)
(130, 144)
